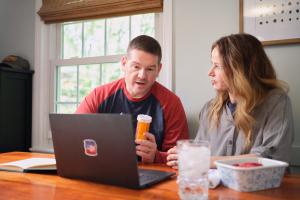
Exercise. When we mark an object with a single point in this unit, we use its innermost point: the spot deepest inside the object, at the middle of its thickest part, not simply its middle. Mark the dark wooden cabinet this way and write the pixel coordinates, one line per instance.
(15, 109)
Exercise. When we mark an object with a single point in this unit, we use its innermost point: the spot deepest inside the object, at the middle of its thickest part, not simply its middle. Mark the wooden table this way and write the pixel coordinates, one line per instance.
(16, 186)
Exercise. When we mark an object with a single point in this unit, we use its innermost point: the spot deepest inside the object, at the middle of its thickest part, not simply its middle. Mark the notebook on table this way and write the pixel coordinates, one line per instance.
(30, 165)
(99, 147)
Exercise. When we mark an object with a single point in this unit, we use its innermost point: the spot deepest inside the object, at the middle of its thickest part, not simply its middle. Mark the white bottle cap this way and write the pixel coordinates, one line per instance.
(144, 118)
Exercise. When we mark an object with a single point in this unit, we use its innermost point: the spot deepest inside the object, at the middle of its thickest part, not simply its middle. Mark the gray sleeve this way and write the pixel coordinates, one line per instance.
(278, 131)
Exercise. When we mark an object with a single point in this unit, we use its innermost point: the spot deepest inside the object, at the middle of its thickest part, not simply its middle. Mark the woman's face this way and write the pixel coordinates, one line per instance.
(217, 72)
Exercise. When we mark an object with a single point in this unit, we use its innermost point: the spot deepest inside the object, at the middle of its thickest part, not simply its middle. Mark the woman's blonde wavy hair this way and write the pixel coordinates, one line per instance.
(250, 75)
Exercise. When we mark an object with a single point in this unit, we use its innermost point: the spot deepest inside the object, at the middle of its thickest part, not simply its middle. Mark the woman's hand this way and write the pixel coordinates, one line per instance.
(172, 158)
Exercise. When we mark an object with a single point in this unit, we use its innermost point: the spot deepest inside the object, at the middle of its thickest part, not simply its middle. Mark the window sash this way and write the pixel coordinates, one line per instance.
(82, 85)
(60, 61)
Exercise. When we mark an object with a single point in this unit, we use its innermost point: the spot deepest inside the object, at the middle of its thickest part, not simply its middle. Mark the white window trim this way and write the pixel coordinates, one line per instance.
(43, 80)
(41, 85)
(166, 74)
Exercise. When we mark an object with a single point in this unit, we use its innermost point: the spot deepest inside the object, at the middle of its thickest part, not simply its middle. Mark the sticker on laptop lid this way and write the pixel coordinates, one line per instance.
(90, 147)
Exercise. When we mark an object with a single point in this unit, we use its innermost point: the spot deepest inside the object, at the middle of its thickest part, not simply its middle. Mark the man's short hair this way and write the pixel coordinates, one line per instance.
(147, 44)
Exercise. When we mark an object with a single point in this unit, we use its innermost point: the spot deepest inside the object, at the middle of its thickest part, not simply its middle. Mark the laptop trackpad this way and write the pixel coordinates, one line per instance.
(149, 177)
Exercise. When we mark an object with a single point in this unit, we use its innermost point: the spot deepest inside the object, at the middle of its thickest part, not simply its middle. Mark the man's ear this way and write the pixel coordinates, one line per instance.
(159, 68)
(123, 63)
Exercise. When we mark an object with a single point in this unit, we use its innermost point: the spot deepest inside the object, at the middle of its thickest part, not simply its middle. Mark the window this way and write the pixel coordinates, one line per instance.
(89, 52)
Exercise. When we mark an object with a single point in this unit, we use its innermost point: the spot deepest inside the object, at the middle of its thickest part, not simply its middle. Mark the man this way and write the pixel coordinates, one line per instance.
(139, 93)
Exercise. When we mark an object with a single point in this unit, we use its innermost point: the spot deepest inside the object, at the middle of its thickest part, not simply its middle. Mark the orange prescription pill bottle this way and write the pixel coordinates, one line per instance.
(143, 124)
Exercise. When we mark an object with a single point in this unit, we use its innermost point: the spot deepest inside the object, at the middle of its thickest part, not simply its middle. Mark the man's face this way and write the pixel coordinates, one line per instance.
(141, 70)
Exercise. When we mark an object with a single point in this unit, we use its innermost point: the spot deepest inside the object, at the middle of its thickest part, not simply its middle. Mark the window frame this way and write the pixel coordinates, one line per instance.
(45, 66)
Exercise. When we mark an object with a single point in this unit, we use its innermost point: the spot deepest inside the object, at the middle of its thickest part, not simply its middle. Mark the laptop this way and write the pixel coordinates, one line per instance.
(100, 148)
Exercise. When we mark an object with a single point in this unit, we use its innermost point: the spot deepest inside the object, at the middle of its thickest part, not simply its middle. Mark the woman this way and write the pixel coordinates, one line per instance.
(251, 114)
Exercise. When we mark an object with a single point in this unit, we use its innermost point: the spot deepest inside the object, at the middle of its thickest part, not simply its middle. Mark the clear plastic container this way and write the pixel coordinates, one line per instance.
(248, 179)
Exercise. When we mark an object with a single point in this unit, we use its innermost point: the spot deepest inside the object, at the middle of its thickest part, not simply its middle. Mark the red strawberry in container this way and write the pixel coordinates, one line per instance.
(248, 164)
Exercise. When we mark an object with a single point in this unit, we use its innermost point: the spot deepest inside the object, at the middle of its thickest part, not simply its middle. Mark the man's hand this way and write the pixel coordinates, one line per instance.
(146, 148)
(172, 158)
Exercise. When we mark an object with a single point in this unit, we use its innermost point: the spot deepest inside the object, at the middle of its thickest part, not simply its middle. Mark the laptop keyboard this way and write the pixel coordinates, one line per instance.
(147, 177)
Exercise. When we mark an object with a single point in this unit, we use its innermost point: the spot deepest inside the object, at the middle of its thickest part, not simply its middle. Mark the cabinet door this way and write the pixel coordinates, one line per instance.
(15, 109)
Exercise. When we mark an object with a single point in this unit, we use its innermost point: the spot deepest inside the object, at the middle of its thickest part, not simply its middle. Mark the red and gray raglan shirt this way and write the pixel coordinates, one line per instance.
(168, 124)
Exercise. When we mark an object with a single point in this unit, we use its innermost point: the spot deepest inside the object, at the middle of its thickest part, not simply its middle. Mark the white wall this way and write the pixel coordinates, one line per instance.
(17, 29)
(197, 24)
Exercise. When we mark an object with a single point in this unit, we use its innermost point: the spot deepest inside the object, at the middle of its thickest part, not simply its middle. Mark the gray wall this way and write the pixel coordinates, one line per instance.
(17, 29)
(196, 25)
